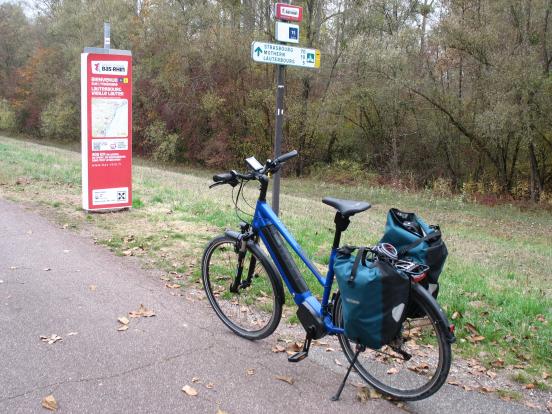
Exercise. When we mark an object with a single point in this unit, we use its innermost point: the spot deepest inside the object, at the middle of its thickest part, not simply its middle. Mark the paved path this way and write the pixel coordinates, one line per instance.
(142, 370)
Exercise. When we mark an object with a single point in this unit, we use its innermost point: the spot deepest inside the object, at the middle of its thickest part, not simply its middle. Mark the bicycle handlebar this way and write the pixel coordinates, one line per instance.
(233, 177)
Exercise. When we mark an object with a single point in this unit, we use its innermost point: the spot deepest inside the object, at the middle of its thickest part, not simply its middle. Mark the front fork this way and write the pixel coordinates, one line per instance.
(241, 249)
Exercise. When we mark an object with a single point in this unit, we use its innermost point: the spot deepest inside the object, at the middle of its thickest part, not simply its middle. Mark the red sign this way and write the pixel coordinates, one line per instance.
(106, 129)
(288, 12)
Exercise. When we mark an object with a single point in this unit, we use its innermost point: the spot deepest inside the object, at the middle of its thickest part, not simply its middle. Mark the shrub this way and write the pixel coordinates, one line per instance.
(60, 120)
(164, 145)
(7, 116)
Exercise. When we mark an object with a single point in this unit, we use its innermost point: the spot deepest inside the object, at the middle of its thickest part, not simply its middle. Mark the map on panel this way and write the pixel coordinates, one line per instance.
(109, 117)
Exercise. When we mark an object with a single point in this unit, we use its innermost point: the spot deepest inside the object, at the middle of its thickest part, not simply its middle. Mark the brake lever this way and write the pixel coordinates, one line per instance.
(215, 184)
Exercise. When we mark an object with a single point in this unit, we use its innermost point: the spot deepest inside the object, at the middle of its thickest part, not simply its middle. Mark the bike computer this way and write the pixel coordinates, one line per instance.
(254, 164)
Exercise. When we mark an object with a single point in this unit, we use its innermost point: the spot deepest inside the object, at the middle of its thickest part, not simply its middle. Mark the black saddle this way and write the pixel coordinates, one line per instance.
(347, 208)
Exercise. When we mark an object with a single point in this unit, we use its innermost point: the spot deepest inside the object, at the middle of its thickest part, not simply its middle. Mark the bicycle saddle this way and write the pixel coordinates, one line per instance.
(347, 208)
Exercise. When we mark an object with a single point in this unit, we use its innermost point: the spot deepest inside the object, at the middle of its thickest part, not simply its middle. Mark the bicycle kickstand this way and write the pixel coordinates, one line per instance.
(359, 349)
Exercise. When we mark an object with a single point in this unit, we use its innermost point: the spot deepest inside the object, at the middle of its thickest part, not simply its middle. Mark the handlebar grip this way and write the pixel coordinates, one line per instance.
(223, 177)
(284, 157)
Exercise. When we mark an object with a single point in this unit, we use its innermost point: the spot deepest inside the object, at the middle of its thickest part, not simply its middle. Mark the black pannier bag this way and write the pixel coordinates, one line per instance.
(374, 297)
(419, 242)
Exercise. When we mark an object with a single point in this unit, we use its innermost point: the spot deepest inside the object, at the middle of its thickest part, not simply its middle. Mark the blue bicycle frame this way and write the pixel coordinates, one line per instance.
(264, 216)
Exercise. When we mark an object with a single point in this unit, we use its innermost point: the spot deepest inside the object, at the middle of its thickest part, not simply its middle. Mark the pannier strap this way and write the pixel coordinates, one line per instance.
(361, 256)
(431, 236)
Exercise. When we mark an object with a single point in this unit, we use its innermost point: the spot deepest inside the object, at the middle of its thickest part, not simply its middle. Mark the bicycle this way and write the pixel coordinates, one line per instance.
(243, 287)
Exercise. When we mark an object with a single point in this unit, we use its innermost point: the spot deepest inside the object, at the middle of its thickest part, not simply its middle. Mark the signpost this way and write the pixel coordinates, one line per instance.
(106, 127)
(283, 55)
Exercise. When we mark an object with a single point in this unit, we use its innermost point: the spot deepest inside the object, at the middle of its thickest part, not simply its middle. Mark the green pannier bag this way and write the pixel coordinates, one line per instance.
(374, 297)
(418, 242)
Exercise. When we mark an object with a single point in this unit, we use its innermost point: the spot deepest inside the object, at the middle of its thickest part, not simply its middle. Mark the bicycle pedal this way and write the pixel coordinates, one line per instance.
(298, 356)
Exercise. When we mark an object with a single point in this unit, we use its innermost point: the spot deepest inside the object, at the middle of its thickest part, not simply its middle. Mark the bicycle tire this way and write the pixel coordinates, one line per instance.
(390, 375)
(254, 311)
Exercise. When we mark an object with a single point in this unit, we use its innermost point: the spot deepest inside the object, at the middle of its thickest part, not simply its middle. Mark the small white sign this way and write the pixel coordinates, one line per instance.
(110, 196)
(287, 32)
(109, 67)
(285, 55)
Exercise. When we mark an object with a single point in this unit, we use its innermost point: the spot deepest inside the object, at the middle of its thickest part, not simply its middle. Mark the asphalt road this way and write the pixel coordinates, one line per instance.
(53, 281)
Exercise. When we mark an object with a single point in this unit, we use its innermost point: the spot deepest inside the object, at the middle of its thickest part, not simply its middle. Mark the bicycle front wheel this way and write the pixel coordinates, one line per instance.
(415, 365)
(251, 306)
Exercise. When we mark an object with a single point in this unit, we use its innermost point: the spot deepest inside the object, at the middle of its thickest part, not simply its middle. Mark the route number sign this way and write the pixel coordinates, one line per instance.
(285, 55)
(106, 130)
(288, 12)
(287, 32)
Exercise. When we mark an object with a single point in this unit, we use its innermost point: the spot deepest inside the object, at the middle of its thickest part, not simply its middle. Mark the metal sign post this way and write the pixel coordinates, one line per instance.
(283, 55)
(280, 89)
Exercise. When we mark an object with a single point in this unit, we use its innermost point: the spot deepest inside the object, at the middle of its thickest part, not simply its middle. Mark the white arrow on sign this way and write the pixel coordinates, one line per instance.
(285, 55)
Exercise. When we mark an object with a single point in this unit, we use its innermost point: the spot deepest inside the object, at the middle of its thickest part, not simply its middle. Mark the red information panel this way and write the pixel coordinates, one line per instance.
(106, 125)
(288, 12)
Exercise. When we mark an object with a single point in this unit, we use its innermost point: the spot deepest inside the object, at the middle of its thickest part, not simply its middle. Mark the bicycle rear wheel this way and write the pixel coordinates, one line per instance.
(253, 308)
(390, 371)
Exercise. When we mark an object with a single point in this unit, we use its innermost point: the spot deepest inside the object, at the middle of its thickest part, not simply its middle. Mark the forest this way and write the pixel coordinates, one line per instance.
(450, 95)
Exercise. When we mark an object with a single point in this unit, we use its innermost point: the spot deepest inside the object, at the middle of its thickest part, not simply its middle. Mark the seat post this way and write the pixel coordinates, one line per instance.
(341, 224)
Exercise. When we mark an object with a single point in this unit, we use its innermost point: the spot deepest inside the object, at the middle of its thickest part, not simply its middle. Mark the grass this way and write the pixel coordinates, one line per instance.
(497, 277)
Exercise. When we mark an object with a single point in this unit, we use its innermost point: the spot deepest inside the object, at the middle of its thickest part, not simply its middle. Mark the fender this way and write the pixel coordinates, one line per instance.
(441, 316)
(255, 248)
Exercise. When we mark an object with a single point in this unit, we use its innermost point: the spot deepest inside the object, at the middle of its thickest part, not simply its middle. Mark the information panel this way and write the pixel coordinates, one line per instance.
(106, 129)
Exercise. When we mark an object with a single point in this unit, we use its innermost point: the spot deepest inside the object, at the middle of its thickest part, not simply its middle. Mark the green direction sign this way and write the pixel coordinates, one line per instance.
(285, 55)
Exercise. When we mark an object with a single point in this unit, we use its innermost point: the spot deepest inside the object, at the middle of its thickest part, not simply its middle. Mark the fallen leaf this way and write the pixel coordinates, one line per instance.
(250, 371)
(72, 333)
(92, 287)
(219, 411)
(195, 379)
(530, 386)
(487, 389)
(122, 328)
(330, 350)
(165, 278)
(278, 348)
(453, 382)
(364, 394)
(172, 285)
(47, 269)
(549, 406)
(13, 267)
(52, 339)
(545, 375)
(498, 363)
(475, 338)
(491, 374)
(470, 327)
(337, 362)
(392, 370)
(466, 388)
(50, 403)
(142, 312)
(284, 378)
(456, 315)
(210, 385)
(294, 347)
(123, 319)
(541, 318)
(191, 391)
